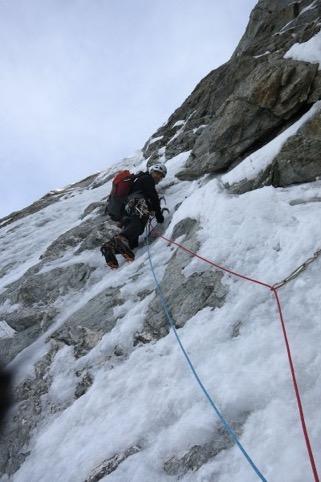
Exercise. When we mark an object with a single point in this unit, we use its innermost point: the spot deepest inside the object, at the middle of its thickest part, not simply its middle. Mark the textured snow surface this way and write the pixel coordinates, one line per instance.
(150, 399)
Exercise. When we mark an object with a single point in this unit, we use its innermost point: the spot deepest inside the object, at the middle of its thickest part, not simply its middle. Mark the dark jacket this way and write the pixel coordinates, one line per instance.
(144, 186)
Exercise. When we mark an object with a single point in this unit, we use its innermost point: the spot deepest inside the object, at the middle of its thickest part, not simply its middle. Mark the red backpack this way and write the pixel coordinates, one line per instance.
(122, 184)
(121, 188)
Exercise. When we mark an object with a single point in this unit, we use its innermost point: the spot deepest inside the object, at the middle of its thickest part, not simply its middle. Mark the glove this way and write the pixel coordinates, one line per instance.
(160, 218)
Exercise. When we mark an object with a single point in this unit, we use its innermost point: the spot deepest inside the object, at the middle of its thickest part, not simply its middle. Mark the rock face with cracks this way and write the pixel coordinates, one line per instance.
(298, 161)
(245, 103)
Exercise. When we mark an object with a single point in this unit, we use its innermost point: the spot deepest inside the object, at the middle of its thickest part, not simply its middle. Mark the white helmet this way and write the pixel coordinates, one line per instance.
(159, 167)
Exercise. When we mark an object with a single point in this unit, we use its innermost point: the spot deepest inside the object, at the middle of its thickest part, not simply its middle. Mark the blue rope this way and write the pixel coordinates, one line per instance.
(232, 435)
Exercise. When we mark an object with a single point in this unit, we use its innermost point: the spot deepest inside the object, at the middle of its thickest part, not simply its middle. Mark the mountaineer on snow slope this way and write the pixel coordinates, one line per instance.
(136, 201)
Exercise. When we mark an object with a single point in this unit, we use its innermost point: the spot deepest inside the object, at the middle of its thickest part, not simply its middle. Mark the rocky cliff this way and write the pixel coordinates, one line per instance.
(102, 391)
(249, 100)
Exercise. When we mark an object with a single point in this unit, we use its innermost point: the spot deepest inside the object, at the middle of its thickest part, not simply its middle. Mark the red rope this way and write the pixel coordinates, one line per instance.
(296, 388)
(293, 375)
(217, 265)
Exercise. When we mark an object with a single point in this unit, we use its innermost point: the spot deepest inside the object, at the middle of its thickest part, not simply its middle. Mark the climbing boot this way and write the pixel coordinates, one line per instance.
(108, 251)
(122, 247)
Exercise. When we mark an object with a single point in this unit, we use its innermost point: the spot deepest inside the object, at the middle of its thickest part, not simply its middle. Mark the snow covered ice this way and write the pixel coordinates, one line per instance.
(149, 399)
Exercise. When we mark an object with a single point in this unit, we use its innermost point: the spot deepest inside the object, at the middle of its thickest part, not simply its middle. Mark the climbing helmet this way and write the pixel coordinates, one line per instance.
(159, 167)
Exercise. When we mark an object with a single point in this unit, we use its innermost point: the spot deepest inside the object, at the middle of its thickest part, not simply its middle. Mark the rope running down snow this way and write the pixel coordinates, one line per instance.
(274, 290)
(232, 435)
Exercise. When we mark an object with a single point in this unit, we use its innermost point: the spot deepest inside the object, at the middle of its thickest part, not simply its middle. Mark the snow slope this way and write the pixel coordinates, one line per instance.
(146, 400)
(149, 399)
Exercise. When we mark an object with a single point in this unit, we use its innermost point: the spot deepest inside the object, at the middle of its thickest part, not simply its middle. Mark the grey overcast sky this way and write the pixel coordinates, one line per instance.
(84, 83)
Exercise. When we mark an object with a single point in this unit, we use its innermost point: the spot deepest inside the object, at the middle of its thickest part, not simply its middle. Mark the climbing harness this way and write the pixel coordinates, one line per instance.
(274, 289)
(232, 435)
(138, 207)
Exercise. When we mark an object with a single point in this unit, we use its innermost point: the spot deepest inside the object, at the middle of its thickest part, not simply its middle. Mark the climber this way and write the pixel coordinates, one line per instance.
(142, 202)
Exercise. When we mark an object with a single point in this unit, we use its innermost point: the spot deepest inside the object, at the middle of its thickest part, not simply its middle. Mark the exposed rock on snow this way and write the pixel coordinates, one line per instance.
(28, 412)
(275, 25)
(46, 287)
(90, 234)
(185, 295)
(291, 158)
(198, 455)
(35, 295)
(84, 329)
(110, 465)
(200, 107)
(262, 106)
(29, 323)
(85, 382)
(299, 159)
(251, 98)
(99, 207)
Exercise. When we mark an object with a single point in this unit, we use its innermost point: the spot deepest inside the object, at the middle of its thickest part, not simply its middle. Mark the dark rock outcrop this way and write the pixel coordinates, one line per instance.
(197, 112)
(264, 104)
(243, 104)
(275, 25)
(298, 161)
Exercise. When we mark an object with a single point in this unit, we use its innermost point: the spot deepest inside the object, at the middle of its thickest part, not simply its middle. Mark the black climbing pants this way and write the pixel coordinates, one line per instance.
(133, 227)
